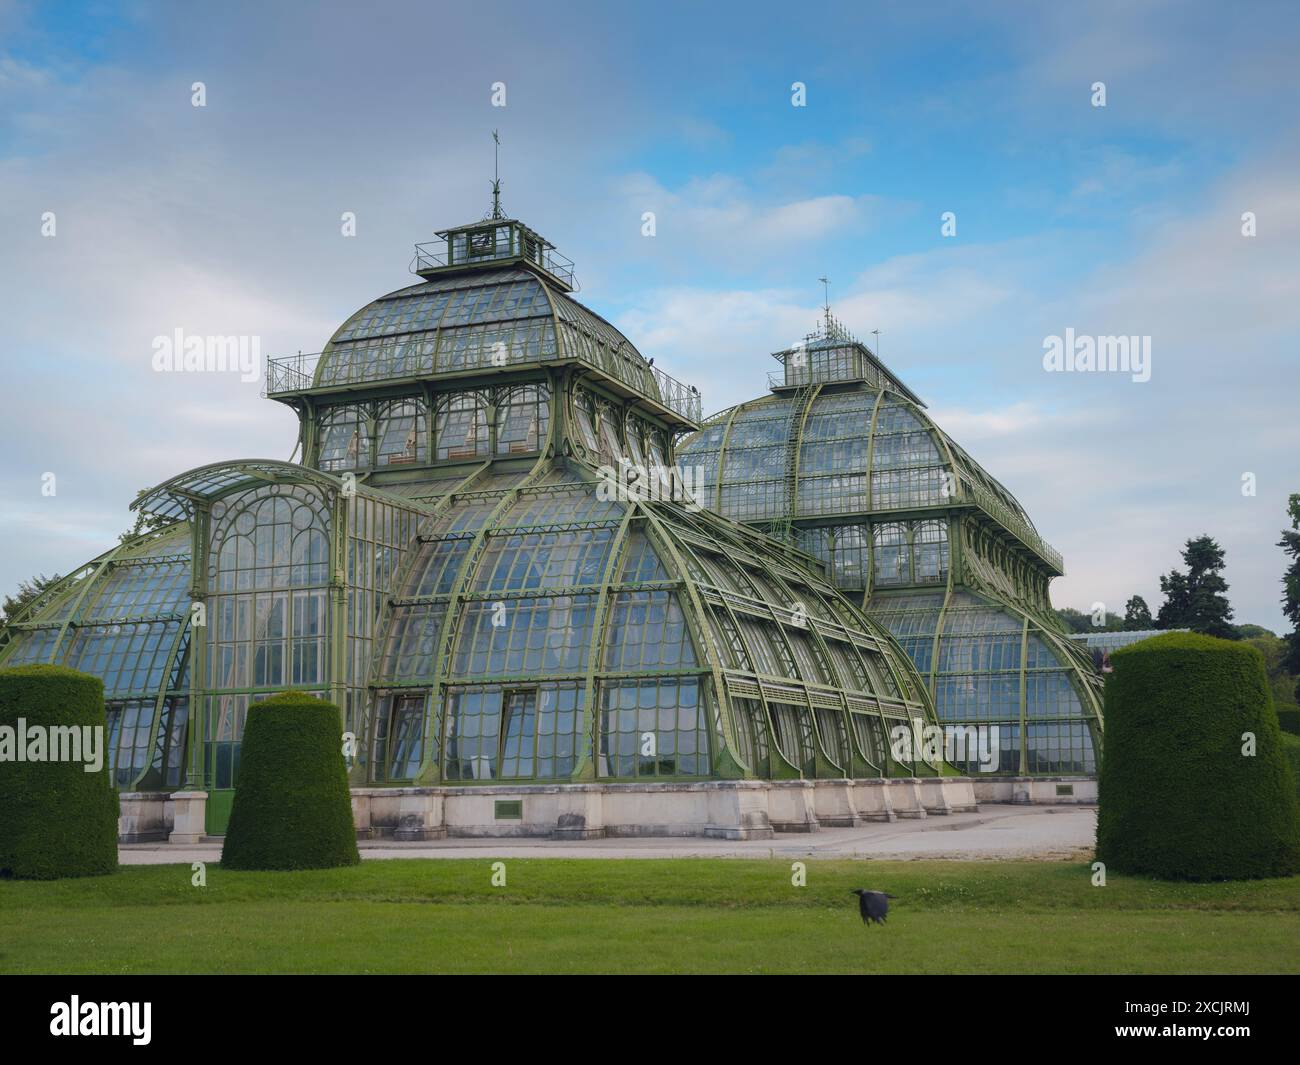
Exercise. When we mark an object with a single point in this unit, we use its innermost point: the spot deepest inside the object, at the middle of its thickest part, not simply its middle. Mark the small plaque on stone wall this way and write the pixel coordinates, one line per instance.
(510, 809)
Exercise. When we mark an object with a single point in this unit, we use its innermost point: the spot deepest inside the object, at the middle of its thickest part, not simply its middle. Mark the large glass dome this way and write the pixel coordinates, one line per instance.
(843, 460)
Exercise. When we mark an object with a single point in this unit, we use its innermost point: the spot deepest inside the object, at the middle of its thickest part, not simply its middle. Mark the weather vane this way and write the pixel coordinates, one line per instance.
(496, 175)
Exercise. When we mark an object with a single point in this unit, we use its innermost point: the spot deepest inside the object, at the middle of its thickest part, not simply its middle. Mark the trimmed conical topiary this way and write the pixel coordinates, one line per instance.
(1180, 795)
(56, 819)
(292, 808)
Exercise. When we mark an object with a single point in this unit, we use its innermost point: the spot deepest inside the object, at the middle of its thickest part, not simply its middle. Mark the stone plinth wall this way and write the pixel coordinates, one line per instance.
(731, 809)
(1036, 791)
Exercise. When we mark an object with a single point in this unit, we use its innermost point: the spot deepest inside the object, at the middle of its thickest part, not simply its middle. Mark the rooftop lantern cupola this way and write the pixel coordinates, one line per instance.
(492, 242)
(831, 355)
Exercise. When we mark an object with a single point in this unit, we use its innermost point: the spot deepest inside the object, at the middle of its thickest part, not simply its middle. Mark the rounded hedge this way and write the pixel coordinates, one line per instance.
(56, 819)
(1289, 718)
(292, 808)
(1291, 748)
(1177, 796)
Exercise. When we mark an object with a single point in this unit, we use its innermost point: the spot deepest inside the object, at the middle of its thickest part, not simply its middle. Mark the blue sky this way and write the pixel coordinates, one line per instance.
(1116, 220)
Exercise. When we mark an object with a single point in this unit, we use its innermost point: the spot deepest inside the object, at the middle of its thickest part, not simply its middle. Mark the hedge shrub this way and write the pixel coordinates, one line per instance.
(1289, 718)
(56, 819)
(1177, 798)
(292, 808)
(1291, 748)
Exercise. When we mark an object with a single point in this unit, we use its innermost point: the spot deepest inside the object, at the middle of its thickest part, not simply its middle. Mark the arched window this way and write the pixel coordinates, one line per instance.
(345, 439)
(271, 541)
(584, 412)
(522, 420)
(461, 427)
(930, 552)
(402, 434)
(268, 570)
(656, 454)
(632, 434)
(891, 554)
(611, 448)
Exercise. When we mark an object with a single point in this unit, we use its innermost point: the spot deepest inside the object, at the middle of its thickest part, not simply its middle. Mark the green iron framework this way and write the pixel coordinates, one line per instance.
(460, 564)
(842, 460)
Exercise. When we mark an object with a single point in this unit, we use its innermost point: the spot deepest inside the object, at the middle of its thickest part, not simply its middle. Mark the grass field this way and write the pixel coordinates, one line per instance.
(670, 916)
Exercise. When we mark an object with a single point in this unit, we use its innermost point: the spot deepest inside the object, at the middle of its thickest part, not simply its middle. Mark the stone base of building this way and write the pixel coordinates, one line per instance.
(144, 817)
(158, 816)
(720, 809)
(733, 810)
(1036, 791)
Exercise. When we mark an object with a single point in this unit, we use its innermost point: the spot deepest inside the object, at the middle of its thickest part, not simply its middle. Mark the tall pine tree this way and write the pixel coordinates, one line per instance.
(1197, 599)
(1137, 615)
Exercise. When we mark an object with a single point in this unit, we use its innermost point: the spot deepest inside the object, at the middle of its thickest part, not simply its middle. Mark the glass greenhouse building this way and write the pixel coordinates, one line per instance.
(842, 459)
(456, 558)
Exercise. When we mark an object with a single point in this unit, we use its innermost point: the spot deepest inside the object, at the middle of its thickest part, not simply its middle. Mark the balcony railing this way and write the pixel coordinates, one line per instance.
(1000, 512)
(678, 396)
(297, 373)
(290, 373)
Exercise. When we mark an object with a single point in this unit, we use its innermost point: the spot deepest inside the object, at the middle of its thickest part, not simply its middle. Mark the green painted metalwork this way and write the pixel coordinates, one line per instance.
(627, 610)
(894, 508)
(585, 769)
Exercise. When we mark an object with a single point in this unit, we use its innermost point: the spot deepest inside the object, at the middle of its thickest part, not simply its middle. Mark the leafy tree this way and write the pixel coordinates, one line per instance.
(1290, 543)
(1281, 682)
(1079, 621)
(143, 522)
(27, 591)
(1196, 599)
(1075, 620)
(1137, 615)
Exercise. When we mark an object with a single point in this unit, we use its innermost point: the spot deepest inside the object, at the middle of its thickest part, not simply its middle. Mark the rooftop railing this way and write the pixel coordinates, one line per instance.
(297, 373)
(435, 255)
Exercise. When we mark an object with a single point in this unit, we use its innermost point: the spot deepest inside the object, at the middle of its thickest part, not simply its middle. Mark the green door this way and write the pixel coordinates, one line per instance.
(222, 772)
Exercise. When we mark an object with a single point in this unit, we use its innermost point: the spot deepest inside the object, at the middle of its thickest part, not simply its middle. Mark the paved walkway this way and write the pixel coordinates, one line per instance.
(996, 831)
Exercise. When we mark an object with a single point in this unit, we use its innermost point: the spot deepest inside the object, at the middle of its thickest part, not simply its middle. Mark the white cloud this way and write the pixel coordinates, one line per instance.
(720, 218)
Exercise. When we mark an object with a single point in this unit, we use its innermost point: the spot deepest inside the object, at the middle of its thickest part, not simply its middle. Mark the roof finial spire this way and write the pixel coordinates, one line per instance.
(496, 176)
(826, 307)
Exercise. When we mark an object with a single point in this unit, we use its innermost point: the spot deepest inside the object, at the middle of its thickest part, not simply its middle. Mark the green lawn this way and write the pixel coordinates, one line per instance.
(682, 915)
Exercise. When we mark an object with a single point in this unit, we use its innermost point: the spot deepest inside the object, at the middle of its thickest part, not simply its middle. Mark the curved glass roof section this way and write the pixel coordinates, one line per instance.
(123, 618)
(658, 619)
(483, 321)
(992, 665)
(443, 325)
(490, 321)
(848, 452)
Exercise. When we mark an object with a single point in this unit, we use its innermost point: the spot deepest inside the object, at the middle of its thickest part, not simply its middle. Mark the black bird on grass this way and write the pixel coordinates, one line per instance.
(873, 905)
